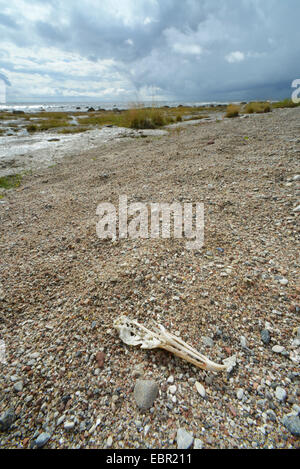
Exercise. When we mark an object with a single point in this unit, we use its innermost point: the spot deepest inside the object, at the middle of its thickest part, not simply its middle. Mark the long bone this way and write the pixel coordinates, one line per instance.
(133, 333)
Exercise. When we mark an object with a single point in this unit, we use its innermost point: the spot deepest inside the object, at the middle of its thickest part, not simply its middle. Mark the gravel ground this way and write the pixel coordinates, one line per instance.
(69, 381)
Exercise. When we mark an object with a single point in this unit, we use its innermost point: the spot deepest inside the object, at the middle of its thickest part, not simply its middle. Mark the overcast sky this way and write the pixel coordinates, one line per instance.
(133, 50)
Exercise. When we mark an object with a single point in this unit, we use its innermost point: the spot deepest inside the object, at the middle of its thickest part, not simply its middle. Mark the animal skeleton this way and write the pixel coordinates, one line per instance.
(133, 333)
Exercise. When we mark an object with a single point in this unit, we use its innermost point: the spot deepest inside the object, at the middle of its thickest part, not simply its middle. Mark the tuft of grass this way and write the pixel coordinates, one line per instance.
(10, 182)
(257, 108)
(146, 118)
(52, 124)
(73, 130)
(31, 128)
(233, 110)
(286, 103)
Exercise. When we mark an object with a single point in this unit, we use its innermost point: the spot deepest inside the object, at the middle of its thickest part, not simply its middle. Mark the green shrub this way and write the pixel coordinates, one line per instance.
(10, 182)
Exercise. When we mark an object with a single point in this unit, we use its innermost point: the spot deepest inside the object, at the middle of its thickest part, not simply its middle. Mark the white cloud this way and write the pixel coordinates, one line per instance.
(235, 57)
(190, 49)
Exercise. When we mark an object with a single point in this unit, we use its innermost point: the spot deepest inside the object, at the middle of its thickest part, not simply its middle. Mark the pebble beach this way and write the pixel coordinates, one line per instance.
(67, 381)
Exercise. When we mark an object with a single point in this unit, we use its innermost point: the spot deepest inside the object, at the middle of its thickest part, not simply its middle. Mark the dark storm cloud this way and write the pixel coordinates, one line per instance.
(192, 49)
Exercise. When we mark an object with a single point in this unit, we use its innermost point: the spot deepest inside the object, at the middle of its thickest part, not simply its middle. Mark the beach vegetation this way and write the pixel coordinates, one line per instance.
(73, 130)
(285, 103)
(257, 108)
(31, 128)
(233, 110)
(11, 181)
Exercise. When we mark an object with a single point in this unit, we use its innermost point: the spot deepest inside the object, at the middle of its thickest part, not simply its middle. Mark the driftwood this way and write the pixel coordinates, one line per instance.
(133, 333)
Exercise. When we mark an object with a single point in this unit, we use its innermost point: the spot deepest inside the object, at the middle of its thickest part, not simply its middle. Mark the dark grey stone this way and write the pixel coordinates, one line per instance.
(6, 420)
(265, 336)
(42, 439)
(292, 424)
(145, 393)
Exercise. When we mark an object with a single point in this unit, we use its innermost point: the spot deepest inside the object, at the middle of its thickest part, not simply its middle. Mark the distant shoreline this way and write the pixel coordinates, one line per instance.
(108, 106)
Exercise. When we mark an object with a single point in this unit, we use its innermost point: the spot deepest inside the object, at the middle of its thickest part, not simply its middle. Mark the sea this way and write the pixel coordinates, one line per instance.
(33, 107)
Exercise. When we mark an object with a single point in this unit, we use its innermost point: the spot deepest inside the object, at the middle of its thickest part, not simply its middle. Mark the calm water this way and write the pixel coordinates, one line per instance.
(84, 106)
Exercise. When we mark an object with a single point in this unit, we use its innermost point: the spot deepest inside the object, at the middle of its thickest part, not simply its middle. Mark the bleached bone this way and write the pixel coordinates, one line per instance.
(133, 333)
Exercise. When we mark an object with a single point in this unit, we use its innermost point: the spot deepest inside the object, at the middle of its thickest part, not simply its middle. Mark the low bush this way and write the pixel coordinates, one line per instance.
(146, 118)
(286, 103)
(257, 108)
(233, 110)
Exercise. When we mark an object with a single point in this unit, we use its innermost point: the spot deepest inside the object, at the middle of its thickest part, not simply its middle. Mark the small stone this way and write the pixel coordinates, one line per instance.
(292, 424)
(271, 415)
(284, 282)
(170, 380)
(207, 341)
(100, 358)
(42, 439)
(278, 349)
(297, 209)
(60, 420)
(172, 389)
(265, 336)
(200, 388)
(184, 439)
(6, 420)
(14, 378)
(18, 387)
(109, 442)
(280, 394)
(240, 394)
(243, 342)
(145, 393)
(69, 425)
(198, 444)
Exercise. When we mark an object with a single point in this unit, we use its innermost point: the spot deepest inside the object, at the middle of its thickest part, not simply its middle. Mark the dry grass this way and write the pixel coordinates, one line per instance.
(286, 103)
(147, 118)
(257, 108)
(233, 110)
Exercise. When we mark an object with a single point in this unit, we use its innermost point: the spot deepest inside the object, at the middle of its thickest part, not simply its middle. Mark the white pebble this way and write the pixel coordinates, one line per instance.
(280, 394)
(200, 388)
(69, 425)
(284, 282)
(278, 349)
(172, 389)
